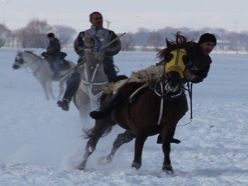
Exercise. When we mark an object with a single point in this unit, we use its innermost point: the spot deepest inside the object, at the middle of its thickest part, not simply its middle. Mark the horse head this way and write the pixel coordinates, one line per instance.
(19, 62)
(174, 55)
(174, 70)
(89, 49)
(26, 57)
(93, 61)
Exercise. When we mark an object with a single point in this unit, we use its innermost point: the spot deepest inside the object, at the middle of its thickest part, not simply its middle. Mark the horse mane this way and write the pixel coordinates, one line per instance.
(180, 42)
(31, 52)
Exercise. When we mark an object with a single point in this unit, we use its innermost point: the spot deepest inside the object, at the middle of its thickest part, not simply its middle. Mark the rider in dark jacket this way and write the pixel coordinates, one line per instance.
(198, 64)
(198, 60)
(102, 38)
(53, 53)
(54, 47)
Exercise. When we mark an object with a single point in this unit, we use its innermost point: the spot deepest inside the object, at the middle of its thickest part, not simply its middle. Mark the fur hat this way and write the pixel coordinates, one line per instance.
(51, 35)
(207, 37)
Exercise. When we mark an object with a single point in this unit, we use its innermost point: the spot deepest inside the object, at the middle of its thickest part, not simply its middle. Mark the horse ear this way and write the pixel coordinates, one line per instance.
(168, 43)
(180, 39)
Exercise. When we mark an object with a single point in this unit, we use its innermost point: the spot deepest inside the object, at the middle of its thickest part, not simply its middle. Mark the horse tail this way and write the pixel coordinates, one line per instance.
(101, 129)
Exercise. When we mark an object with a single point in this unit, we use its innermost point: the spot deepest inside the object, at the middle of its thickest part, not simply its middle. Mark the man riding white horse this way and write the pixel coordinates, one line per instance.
(101, 37)
(54, 56)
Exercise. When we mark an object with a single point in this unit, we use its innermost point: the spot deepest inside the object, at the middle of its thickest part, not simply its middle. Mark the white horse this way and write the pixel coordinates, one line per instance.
(93, 79)
(41, 70)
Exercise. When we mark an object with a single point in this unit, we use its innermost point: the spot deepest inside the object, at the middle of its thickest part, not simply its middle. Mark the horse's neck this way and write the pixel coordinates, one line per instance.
(94, 74)
(32, 60)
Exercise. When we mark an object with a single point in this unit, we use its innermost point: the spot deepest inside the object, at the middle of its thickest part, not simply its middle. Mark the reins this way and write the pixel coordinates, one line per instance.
(189, 89)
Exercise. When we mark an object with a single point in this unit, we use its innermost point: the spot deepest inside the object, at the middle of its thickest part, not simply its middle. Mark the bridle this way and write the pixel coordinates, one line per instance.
(87, 84)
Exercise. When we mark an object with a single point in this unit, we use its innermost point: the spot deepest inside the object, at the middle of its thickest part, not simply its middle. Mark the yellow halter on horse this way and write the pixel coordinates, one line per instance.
(176, 63)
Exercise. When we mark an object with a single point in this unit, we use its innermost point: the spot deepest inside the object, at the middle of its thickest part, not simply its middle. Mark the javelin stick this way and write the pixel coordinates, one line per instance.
(82, 62)
(112, 41)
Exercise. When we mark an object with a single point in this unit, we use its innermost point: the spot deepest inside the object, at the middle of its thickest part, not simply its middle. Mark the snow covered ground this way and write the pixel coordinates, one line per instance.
(40, 144)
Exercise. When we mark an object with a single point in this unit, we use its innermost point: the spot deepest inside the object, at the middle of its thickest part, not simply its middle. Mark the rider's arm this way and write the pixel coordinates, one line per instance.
(200, 75)
(115, 47)
(79, 44)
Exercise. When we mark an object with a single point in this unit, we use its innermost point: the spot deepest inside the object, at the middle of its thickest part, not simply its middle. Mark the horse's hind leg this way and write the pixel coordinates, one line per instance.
(61, 88)
(119, 141)
(89, 149)
(139, 143)
(94, 135)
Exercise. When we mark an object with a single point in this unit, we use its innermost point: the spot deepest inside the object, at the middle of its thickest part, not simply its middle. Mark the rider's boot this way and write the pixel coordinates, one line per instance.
(115, 101)
(64, 104)
(173, 140)
(72, 86)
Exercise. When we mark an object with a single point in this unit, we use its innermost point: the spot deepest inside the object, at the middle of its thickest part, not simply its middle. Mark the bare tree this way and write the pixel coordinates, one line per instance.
(127, 42)
(65, 34)
(34, 34)
(4, 32)
(155, 39)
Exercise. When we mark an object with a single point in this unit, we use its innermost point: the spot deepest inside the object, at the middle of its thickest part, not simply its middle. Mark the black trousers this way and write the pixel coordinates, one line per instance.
(109, 70)
(72, 85)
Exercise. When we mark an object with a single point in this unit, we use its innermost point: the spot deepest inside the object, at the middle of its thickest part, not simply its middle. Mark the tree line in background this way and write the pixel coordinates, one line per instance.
(33, 35)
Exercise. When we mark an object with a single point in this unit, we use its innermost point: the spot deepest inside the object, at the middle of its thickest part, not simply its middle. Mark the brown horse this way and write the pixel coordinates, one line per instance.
(155, 109)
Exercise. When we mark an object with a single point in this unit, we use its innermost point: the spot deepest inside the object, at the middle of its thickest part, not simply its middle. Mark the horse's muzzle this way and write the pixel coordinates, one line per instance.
(15, 66)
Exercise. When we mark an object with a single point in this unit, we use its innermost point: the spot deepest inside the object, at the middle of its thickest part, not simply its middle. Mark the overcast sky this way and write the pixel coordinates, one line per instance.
(129, 15)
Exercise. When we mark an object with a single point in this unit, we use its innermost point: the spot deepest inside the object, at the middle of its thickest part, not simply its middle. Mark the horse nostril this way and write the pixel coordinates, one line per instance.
(15, 66)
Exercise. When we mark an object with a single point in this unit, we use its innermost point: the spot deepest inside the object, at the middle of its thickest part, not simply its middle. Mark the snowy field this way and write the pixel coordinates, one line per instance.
(40, 144)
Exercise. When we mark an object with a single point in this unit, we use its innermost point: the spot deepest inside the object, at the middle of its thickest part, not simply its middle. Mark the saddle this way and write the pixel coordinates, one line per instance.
(132, 90)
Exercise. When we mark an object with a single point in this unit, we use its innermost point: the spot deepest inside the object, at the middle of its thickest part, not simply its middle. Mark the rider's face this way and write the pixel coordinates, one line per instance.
(207, 47)
(96, 20)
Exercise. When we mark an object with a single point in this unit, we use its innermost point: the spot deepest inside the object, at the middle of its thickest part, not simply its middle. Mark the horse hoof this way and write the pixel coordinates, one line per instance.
(168, 169)
(104, 160)
(136, 165)
(81, 166)
(109, 158)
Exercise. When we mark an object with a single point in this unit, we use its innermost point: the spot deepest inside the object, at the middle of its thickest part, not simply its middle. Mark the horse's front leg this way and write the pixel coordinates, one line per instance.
(167, 135)
(167, 162)
(139, 143)
(44, 86)
(50, 89)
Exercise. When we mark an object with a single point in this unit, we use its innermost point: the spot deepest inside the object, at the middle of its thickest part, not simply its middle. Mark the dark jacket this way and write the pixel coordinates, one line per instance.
(102, 36)
(197, 62)
(53, 47)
